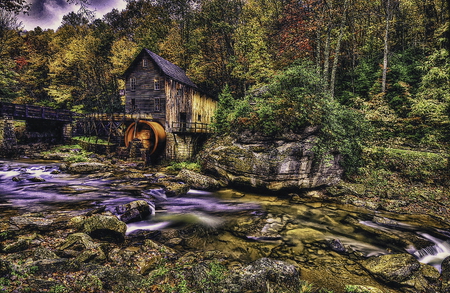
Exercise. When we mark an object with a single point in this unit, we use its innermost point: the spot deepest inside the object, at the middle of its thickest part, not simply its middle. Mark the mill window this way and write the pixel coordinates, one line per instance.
(144, 63)
(157, 104)
(157, 85)
(133, 84)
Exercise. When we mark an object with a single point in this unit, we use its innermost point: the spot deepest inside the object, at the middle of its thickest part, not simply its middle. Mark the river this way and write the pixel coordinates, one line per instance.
(265, 220)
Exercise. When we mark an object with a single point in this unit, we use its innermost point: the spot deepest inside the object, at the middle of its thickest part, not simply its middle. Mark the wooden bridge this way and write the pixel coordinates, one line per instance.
(24, 112)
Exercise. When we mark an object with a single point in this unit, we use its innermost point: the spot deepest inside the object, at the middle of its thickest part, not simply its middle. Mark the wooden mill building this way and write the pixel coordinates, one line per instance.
(175, 113)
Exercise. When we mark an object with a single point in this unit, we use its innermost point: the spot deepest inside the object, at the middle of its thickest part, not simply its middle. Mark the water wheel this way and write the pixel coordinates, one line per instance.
(151, 134)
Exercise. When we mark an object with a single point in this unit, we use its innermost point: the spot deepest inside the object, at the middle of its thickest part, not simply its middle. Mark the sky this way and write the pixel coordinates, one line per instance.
(48, 14)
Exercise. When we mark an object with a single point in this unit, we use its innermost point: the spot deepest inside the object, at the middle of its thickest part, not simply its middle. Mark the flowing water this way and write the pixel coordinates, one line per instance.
(364, 231)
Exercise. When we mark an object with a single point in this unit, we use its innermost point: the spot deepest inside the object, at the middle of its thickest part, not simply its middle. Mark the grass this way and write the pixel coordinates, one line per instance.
(177, 166)
(392, 173)
(91, 139)
(69, 153)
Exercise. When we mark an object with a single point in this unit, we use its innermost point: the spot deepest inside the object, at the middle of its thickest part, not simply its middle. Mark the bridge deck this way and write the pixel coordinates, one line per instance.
(17, 111)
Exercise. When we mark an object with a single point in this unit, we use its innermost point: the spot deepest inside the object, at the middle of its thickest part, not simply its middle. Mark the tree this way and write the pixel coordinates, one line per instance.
(212, 61)
(432, 101)
(9, 40)
(14, 6)
(254, 46)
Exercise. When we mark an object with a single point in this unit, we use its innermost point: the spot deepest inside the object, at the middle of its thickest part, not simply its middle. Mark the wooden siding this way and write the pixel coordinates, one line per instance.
(203, 108)
(179, 102)
(141, 99)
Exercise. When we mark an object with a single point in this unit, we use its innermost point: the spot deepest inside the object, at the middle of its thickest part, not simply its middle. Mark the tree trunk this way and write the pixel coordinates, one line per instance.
(326, 57)
(386, 45)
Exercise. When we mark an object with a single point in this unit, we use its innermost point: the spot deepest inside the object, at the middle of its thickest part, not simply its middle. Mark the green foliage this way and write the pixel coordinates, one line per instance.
(91, 139)
(295, 99)
(177, 166)
(59, 289)
(214, 276)
(69, 153)
(8, 80)
(414, 166)
(305, 287)
(225, 106)
(431, 106)
(355, 289)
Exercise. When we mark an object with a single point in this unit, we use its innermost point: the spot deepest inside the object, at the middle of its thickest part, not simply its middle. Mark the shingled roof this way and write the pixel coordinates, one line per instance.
(168, 68)
(171, 69)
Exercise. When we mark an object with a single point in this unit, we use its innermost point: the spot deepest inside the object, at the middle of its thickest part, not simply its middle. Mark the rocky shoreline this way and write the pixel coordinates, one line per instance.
(89, 251)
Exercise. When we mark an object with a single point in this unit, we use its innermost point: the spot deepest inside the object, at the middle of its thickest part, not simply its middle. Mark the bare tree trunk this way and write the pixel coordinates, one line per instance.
(326, 58)
(336, 61)
(318, 52)
(386, 45)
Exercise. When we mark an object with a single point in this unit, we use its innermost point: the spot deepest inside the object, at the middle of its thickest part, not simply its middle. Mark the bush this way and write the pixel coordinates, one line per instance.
(411, 165)
(295, 99)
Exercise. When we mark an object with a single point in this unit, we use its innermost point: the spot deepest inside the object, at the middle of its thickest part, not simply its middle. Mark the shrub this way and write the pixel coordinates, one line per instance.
(295, 99)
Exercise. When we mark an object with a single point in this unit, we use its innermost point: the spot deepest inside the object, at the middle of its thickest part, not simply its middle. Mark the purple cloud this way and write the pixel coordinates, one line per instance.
(48, 13)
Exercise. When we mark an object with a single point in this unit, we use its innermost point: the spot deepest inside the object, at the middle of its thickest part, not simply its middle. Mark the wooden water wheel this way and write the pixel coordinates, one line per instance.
(151, 134)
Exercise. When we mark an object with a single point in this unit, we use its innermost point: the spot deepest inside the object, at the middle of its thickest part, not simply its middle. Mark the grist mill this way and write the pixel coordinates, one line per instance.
(171, 114)
(166, 116)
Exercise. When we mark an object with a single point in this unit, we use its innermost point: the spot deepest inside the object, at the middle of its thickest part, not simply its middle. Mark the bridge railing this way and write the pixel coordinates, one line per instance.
(191, 127)
(36, 112)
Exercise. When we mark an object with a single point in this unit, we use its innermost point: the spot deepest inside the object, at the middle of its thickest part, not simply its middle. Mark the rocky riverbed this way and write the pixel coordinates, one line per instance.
(90, 246)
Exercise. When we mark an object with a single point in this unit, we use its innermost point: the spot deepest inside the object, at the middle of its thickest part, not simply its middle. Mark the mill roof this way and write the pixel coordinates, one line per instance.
(167, 67)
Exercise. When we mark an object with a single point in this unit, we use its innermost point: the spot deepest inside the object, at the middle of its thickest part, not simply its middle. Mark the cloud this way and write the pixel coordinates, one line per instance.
(48, 14)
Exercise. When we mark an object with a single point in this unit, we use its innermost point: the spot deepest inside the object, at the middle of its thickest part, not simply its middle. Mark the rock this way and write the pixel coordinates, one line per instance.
(95, 255)
(5, 268)
(385, 221)
(86, 167)
(146, 263)
(284, 163)
(174, 188)
(36, 179)
(402, 270)
(445, 274)
(90, 251)
(120, 279)
(392, 268)
(336, 245)
(19, 245)
(264, 275)
(31, 222)
(103, 227)
(53, 265)
(135, 211)
(306, 235)
(78, 239)
(198, 181)
(44, 253)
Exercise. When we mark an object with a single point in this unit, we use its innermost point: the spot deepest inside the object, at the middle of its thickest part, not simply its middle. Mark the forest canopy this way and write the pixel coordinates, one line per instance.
(385, 59)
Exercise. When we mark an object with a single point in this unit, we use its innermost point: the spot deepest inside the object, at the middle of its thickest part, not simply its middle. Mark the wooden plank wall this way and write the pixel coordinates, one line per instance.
(145, 93)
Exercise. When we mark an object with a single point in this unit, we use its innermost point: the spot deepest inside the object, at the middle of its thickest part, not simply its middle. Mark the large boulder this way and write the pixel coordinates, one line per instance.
(256, 161)
(135, 211)
(403, 271)
(198, 181)
(264, 275)
(104, 227)
(445, 275)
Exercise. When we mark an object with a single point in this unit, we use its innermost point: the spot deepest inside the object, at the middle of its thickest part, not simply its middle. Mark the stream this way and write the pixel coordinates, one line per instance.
(264, 220)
